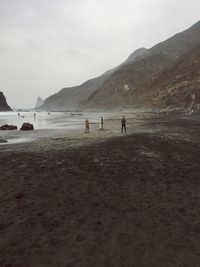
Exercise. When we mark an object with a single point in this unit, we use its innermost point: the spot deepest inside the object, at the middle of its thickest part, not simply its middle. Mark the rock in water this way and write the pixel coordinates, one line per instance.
(27, 127)
(8, 127)
(3, 103)
(3, 141)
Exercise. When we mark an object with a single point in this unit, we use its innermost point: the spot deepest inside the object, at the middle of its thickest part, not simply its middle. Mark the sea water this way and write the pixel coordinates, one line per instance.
(51, 120)
(43, 121)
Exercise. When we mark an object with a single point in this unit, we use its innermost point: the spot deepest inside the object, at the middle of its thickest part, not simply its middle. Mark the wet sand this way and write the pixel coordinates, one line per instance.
(103, 199)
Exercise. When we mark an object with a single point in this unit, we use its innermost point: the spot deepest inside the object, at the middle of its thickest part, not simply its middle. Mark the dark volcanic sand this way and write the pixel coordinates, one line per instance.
(125, 201)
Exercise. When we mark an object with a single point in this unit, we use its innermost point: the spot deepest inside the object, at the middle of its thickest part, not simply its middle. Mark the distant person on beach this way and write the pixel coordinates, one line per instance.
(18, 114)
(123, 123)
(101, 124)
(87, 126)
(34, 116)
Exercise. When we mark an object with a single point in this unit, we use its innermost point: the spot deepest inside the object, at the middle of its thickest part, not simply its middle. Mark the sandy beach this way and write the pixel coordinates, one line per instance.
(103, 198)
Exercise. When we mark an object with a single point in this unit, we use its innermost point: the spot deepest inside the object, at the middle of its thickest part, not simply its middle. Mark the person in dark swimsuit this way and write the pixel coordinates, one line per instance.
(123, 123)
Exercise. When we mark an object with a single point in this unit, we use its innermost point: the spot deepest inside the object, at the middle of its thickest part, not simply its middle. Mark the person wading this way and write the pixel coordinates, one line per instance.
(123, 123)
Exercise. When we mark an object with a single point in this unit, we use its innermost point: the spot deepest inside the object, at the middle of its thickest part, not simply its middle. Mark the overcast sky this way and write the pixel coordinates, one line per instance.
(46, 45)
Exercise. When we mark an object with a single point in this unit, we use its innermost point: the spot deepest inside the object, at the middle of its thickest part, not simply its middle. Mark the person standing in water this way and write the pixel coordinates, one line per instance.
(87, 126)
(34, 116)
(101, 124)
(123, 123)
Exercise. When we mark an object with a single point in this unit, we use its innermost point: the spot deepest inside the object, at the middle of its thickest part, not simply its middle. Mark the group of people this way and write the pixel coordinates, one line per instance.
(101, 125)
(34, 115)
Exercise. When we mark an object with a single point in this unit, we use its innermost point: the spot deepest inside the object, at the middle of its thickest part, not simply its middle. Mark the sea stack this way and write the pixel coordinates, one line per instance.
(3, 103)
(39, 102)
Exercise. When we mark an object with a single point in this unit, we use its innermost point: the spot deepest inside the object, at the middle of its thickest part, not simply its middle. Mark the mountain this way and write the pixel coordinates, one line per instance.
(178, 85)
(124, 86)
(3, 103)
(136, 55)
(39, 102)
(70, 98)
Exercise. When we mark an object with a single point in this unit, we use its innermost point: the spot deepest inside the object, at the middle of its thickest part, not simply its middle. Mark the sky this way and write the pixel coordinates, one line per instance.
(46, 45)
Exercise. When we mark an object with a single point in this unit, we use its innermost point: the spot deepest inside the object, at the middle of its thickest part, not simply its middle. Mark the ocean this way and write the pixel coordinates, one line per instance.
(48, 120)
(45, 124)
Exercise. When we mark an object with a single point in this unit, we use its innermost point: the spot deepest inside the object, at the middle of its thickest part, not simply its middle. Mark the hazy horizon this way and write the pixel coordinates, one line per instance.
(48, 45)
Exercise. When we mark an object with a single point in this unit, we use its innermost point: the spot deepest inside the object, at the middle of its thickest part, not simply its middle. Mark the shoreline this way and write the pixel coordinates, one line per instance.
(48, 139)
(112, 124)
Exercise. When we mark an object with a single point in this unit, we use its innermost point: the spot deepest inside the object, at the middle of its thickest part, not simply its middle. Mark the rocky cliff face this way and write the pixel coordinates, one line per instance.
(126, 85)
(3, 103)
(178, 85)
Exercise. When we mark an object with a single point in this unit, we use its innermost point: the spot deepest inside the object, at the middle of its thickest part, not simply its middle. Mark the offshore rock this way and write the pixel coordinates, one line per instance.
(27, 127)
(8, 127)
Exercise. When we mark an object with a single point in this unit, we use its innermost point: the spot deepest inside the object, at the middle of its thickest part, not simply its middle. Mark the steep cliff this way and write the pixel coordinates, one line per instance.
(126, 85)
(3, 103)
